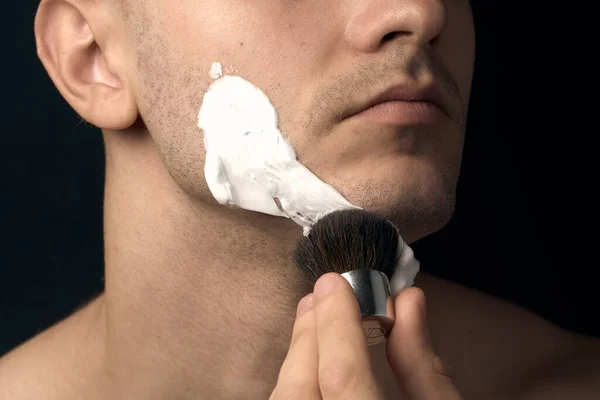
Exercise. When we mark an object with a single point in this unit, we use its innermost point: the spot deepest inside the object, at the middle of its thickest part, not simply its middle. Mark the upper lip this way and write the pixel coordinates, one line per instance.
(405, 92)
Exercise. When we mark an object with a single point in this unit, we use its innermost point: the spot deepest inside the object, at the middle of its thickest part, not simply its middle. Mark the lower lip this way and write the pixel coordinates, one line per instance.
(403, 112)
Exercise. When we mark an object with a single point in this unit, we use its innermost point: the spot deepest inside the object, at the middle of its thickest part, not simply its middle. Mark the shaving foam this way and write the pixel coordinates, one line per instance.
(250, 163)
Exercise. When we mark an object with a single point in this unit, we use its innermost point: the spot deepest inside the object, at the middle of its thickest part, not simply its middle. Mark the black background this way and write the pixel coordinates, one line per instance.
(514, 234)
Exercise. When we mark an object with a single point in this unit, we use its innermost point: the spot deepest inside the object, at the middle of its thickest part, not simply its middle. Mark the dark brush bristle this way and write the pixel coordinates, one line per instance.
(348, 240)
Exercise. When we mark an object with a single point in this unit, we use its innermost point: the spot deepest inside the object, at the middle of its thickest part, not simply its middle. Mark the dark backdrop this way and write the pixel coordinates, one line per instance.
(512, 235)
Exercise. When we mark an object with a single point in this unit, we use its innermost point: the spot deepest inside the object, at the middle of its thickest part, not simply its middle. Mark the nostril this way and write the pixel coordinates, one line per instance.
(433, 42)
(393, 35)
(389, 36)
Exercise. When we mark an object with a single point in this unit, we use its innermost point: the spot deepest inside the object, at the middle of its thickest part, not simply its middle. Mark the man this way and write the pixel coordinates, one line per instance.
(201, 300)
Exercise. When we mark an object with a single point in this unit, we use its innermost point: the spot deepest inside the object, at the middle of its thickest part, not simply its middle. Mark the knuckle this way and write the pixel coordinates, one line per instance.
(331, 312)
(337, 378)
(301, 332)
(294, 386)
(431, 368)
(291, 393)
(328, 305)
(335, 316)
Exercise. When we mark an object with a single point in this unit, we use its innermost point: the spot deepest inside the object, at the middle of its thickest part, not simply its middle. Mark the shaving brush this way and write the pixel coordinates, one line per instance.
(363, 248)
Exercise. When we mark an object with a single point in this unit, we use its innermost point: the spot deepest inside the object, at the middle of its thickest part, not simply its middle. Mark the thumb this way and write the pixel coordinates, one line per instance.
(419, 370)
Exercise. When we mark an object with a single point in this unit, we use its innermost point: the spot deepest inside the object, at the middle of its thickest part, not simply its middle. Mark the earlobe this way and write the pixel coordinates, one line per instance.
(77, 64)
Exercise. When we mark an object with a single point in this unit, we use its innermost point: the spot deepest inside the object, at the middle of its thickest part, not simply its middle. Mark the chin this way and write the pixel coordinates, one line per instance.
(419, 219)
(418, 205)
(416, 217)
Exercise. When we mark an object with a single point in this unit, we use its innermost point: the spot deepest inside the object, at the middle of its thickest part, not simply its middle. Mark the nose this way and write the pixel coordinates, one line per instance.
(375, 22)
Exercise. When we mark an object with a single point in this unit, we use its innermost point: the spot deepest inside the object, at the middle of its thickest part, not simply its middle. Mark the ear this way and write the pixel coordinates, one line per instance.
(78, 66)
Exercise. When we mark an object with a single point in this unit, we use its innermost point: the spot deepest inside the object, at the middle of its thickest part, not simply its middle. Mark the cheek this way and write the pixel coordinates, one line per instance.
(280, 46)
(257, 39)
(172, 85)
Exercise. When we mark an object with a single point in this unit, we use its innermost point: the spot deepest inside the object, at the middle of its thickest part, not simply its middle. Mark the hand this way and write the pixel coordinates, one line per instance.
(329, 359)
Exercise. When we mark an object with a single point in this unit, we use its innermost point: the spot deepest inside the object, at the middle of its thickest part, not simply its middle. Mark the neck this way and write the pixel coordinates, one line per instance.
(199, 299)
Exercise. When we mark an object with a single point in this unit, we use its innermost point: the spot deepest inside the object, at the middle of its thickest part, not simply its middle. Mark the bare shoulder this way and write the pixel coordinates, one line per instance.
(573, 373)
(495, 347)
(45, 366)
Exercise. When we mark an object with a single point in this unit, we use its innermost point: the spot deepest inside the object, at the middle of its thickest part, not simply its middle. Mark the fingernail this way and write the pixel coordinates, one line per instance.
(325, 285)
(304, 305)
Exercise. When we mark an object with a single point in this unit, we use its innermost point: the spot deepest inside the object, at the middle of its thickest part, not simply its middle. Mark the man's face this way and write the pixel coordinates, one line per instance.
(318, 62)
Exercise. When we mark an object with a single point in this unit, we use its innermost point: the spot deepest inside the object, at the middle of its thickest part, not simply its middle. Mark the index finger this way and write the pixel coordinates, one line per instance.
(344, 363)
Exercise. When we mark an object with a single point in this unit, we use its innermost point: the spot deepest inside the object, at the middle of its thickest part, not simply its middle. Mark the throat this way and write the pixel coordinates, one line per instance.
(200, 299)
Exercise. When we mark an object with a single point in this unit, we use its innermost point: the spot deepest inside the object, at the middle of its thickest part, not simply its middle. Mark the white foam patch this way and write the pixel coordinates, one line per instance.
(250, 164)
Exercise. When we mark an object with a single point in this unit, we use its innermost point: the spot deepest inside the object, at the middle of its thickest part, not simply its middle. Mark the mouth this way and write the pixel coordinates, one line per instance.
(403, 105)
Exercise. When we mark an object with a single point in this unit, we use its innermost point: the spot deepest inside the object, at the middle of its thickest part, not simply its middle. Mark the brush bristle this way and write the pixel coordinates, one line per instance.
(345, 241)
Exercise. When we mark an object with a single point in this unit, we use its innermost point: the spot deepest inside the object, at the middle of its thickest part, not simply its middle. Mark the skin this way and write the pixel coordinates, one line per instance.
(328, 357)
(200, 300)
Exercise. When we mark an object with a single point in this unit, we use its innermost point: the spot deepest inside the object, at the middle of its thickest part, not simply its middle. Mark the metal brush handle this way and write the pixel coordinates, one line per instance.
(372, 289)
